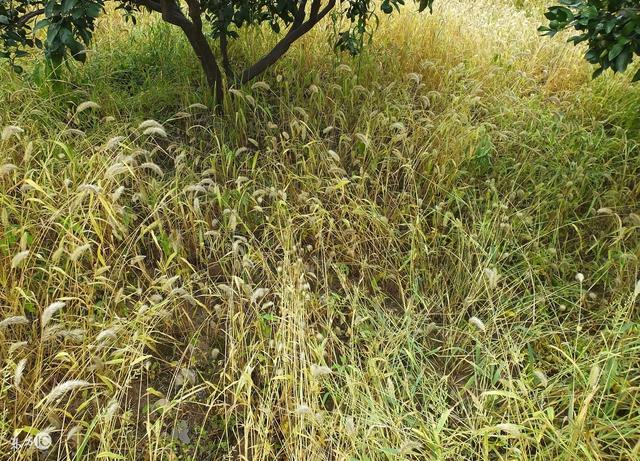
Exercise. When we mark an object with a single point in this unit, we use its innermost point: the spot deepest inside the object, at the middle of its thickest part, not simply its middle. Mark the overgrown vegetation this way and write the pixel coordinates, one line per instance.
(429, 251)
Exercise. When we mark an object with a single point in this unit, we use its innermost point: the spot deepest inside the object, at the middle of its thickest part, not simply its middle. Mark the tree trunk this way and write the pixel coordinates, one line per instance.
(207, 60)
(297, 30)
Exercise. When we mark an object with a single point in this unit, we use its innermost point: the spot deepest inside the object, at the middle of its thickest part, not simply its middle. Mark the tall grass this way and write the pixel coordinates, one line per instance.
(427, 252)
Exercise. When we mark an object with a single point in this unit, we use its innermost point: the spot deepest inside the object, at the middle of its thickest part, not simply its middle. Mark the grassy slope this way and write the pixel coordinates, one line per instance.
(454, 171)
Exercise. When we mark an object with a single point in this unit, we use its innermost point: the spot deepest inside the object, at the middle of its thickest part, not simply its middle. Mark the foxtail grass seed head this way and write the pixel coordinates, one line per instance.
(233, 220)
(215, 352)
(17, 377)
(150, 124)
(264, 86)
(27, 152)
(318, 371)
(258, 293)
(42, 441)
(491, 276)
(414, 77)
(19, 259)
(7, 169)
(594, 375)
(56, 255)
(91, 188)
(114, 142)
(155, 298)
(79, 251)
(15, 320)
(509, 428)
(65, 387)
(75, 132)
(350, 425)
(128, 160)
(153, 167)
(87, 105)
(178, 291)
(115, 170)
(541, 377)
(73, 435)
(26, 188)
(168, 282)
(49, 312)
(303, 409)
(155, 131)
(106, 335)
(15, 346)
(75, 335)
(636, 291)
(185, 376)
(115, 196)
(111, 409)
(410, 447)
(195, 188)
(11, 131)
(476, 322)
(137, 259)
(634, 219)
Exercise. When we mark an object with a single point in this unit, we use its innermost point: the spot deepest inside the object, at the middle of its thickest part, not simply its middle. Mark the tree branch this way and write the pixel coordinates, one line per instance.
(300, 13)
(224, 51)
(169, 10)
(294, 33)
(29, 16)
(195, 13)
(315, 8)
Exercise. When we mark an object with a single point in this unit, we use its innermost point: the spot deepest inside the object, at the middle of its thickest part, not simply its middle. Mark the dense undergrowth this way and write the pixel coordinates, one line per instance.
(427, 252)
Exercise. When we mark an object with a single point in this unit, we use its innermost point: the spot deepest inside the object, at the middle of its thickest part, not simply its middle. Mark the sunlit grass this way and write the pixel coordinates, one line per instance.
(427, 252)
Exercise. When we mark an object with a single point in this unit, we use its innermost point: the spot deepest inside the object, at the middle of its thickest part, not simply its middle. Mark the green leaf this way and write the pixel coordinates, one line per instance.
(66, 36)
(93, 10)
(615, 51)
(77, 50)
(623, 60)
(68, 5)
(424, 4)
(40, 24)
(52, 34)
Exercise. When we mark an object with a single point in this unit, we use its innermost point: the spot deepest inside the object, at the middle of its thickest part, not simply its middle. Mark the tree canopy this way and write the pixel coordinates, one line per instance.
(63, 28)
(610, 28)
